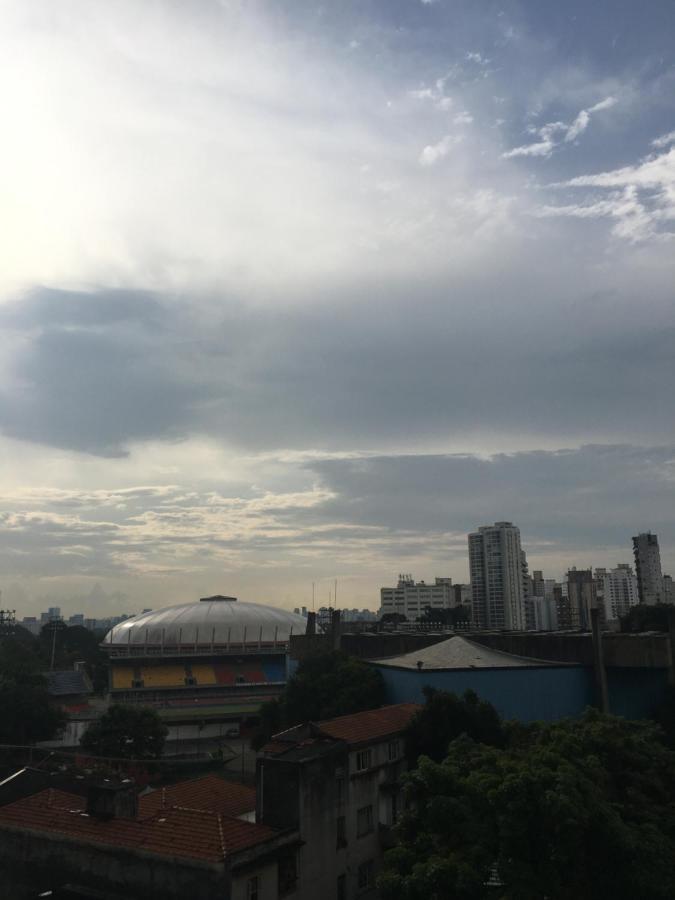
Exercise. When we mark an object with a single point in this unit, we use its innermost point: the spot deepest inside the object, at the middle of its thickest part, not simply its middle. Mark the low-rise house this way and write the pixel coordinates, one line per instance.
(188, 840)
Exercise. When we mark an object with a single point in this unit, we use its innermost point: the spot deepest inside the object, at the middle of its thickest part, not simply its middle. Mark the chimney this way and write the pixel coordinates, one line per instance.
(311, 623)
(112, 800)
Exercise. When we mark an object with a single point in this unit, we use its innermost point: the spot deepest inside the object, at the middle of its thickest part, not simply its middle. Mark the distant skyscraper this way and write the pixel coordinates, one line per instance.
(582, 597)
(497, 566)
(618, 590)
(648, 568)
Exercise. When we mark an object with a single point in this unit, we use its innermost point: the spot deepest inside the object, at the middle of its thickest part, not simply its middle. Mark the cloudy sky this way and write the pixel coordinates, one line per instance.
(297, 291)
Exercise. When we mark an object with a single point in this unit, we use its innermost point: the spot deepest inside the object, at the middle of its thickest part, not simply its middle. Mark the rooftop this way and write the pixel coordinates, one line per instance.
(371, 725)
(194, 820)
(229, 798)
(70, 682)
(459, 653)
(317, 738)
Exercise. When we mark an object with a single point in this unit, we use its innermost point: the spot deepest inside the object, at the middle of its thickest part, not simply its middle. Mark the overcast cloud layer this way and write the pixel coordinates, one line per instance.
(300, 292)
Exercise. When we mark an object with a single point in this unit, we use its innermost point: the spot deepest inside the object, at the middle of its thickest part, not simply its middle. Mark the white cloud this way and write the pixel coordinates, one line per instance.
(555, 133)
(664, 141)
(463, 118)
(433, 152)
(642, 197)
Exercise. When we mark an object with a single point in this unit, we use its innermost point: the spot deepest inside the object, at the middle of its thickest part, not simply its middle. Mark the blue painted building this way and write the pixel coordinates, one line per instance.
(518, 687)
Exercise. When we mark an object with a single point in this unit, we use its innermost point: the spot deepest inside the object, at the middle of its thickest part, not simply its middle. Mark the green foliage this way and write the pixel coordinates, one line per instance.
(324, 686)
(457, 617)
(72, 643)
(446, 716)
(665, 717)
(126, 732)
(393, 618)
(577, 809)
(27, 714)
(646, 618)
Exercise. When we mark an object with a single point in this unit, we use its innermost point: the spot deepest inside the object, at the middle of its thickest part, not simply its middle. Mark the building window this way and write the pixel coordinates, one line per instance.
(394, 750)
(339, 790)
(364, 821)
(288, 874)
(341, 831)
(366, 875)
(253, 888)
(342, 887)
(363, 760)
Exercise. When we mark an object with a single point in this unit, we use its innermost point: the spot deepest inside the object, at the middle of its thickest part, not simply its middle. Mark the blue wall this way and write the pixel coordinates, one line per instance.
(524, 694)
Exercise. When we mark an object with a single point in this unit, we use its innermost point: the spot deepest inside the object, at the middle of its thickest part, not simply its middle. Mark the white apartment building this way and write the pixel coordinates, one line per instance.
(411, 598)
(617, 589)
(497, 571)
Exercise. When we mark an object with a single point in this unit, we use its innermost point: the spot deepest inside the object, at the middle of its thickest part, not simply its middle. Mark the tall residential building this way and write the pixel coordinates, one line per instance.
(617, 589)
(668, 595)
(582, 597)
(497, 584)
(412, 598)
(648, 568)
(543, 602)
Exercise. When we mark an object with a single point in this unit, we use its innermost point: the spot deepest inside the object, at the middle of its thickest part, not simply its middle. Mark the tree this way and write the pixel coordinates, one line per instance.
(392, 618)
(579, 809)
(126, 732)
(324, 686)
(646, 618)
(27, 713)
(446, 716)
(70, 644)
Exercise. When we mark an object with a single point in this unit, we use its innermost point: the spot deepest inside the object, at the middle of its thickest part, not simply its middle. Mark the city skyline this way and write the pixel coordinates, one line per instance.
(301, 292)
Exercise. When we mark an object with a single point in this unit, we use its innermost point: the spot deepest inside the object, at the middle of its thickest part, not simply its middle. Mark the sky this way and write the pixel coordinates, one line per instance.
(294, 292)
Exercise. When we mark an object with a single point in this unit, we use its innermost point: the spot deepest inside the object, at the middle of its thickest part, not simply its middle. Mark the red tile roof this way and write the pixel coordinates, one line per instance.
(209, 793)
(175, 832)
(371, 725)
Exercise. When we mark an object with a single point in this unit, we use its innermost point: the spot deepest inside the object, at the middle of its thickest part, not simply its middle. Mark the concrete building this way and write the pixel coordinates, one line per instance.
(617, 590)
(648, 568)
(668, 595)
(337, 784)
(581, 597)
(496, 564)
(462, 594)
(543, 601)
(411, 598)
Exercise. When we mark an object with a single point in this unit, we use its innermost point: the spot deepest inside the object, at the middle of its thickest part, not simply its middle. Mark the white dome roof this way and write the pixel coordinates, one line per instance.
(210, 621)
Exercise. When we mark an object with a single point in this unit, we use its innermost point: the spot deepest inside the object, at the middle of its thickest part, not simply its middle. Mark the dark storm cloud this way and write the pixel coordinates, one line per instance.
(97, 372)
(592, 496)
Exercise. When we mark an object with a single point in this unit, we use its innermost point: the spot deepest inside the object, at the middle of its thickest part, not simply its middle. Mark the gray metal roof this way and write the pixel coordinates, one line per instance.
(459, 653)
(62, 684)
(208, 621)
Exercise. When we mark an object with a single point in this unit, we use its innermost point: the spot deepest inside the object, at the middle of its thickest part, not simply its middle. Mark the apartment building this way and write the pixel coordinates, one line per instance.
(498, 577)
(648, 568)
(411, 598)
(336, 784)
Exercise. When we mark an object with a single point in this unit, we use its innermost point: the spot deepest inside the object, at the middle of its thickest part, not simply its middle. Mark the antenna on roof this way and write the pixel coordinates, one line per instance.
(335, 594)
(313, 596)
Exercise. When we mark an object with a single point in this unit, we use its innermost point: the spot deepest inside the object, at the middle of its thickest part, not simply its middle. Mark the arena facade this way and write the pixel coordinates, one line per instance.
(206, 666)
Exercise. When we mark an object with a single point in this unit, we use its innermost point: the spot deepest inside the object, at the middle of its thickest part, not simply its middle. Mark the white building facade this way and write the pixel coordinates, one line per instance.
(411, 598)
(497, 588)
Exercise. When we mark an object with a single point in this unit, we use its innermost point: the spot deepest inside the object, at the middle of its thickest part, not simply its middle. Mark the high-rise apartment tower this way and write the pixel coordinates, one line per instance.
(496, 562)
(648, 568)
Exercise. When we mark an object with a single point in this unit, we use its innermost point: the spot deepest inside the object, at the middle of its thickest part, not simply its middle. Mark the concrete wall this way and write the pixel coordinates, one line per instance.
(537, 694)
(523, 694)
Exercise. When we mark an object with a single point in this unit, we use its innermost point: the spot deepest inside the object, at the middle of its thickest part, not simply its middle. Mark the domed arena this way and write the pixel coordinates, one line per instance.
(205, 666)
